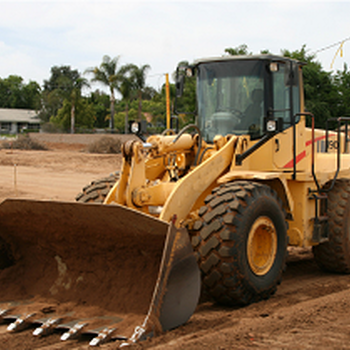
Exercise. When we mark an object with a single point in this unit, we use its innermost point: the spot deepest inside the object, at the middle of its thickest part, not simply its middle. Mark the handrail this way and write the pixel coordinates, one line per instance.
(346, 141)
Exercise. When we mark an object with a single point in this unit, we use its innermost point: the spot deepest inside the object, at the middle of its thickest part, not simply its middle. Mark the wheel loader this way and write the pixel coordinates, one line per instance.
(211, 208)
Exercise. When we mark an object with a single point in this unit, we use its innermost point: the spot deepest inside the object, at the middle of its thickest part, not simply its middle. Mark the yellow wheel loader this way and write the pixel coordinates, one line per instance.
(212, 207)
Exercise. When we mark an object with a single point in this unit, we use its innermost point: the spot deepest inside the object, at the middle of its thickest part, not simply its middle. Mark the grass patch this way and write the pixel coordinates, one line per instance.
(24, 142)
(105, 145)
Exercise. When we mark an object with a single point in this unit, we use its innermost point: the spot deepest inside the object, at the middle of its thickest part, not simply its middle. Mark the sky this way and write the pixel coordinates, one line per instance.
(37, 35)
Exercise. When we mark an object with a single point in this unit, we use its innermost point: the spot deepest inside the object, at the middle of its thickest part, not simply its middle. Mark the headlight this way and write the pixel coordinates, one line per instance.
(273, 67)
(135, 128)
(271, 125)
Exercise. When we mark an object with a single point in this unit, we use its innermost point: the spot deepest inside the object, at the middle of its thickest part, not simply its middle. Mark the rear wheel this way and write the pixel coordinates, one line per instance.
(334, 255)
(97, 191)
(241, 242)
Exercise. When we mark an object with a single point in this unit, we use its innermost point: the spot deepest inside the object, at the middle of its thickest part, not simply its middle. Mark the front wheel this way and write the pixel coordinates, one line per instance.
(241, 242)
(97, 190)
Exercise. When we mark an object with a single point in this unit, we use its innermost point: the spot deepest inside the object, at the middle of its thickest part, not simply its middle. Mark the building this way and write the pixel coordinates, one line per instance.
(14, 121)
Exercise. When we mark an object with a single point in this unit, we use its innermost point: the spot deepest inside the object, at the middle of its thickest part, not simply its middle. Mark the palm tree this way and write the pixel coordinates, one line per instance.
(107, 74)
(138, 74)
(75, 95)
(127, 89)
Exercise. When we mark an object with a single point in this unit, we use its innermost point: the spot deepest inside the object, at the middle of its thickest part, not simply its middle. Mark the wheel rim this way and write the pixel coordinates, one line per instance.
(262, 246)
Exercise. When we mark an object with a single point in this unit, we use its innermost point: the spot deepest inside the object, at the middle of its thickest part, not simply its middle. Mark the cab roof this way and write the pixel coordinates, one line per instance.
(262, 57)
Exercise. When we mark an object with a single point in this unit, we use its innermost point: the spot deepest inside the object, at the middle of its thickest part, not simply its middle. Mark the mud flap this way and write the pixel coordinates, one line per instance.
(108, 266)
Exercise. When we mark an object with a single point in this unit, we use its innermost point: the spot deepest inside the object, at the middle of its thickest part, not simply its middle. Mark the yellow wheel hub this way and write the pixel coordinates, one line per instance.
(262, 246)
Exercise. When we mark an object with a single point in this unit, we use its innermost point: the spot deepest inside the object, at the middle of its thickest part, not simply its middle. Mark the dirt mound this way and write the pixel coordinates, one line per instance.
(24, 142)
(105, 145)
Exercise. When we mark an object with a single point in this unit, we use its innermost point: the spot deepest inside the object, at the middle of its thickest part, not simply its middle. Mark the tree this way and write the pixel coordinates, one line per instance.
(185, 106)
(84, 115)
(63, 84)
(101, 102)
(61, 79)
(239, 50)
(321, 97)
(149, 93)
(32, 93)
(15, 94)
(107, 74)
(342, 84)
(120, 116)
(74, 98)
(127, 89)
(138, 76)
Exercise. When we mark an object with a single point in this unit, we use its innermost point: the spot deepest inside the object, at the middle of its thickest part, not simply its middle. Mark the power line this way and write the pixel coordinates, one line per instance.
(156, 75)
(330, 46)
(339, 50)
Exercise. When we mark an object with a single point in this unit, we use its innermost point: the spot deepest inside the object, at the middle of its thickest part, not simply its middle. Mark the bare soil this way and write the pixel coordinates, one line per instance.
(310, 309)
(58, 174)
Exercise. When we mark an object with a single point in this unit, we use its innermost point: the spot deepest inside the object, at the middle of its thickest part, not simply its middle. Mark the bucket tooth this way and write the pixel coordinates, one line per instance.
(104, 336)
(47, 327)
(21, 323)
(74, 332)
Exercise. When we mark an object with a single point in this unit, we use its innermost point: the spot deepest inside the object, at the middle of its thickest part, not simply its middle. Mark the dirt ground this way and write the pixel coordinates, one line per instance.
(309, 311)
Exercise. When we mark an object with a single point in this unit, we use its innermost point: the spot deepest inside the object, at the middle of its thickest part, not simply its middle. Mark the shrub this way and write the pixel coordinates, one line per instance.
(24, 142)
(51, 128)
(105, 144)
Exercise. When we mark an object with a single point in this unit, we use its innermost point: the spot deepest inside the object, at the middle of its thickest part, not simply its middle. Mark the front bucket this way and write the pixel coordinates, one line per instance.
(99, 268)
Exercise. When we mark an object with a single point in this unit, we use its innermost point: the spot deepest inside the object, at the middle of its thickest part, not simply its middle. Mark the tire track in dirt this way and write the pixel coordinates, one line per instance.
(309, 310)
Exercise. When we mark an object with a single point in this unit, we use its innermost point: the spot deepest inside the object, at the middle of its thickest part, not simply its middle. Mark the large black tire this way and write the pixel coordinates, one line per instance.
(334, 255)
(97, 191)
(241, 243)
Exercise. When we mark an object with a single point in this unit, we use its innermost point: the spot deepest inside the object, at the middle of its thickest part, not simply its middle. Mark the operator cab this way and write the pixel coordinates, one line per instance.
(246, 95)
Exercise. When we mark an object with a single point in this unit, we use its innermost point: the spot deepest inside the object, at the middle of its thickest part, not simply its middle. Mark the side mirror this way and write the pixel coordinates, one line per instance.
(291, 74)
(180, 82)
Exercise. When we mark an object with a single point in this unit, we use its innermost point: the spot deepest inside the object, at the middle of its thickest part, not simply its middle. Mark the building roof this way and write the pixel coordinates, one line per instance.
(8, 115)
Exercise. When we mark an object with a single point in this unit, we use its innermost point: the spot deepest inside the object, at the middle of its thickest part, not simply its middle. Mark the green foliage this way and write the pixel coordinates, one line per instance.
(186, 105)
(101, 103)
(84, 115)
(138, 83)
(63, 79)
(321, 97)
(149, 93)
(15, 94)
(342, 83)
(327, 95)
(119, 118)
(301, 55)
(239, 50)
(107, 74)
(64, 84)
